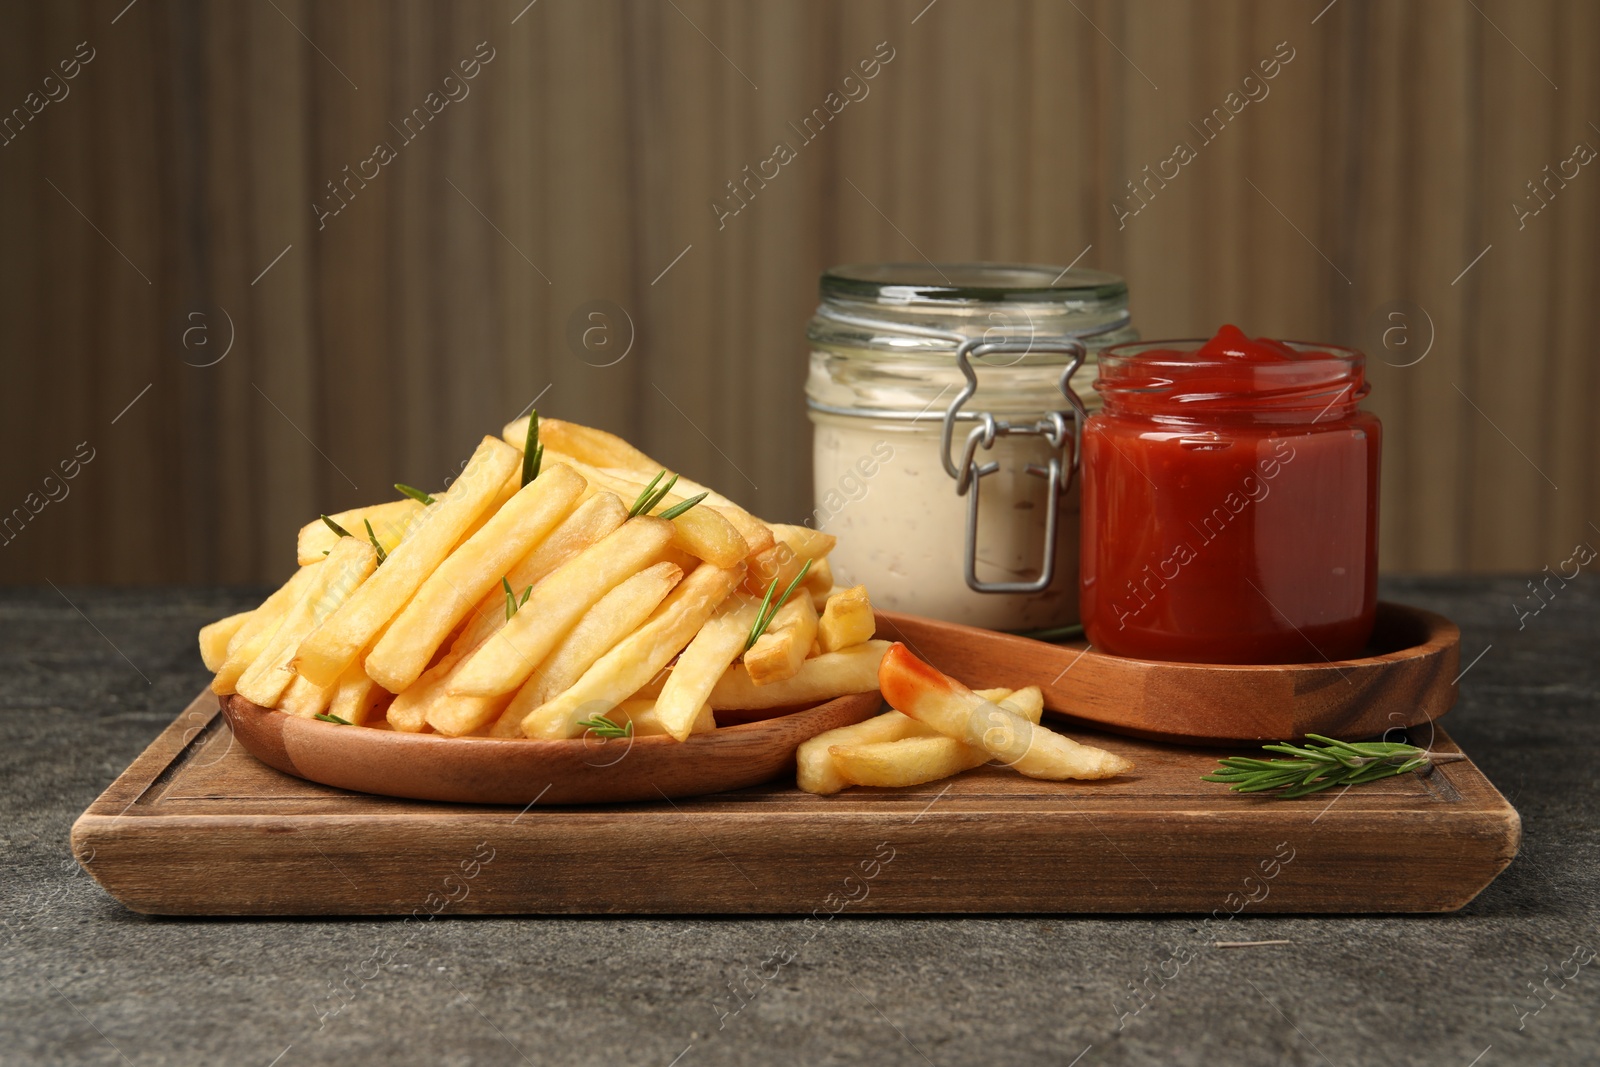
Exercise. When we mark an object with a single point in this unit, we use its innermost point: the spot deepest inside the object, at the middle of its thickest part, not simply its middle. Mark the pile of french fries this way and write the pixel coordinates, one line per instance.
(562, 585)
(940, 728)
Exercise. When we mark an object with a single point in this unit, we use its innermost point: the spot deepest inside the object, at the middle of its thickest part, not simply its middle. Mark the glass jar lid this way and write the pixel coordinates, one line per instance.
(967, 283)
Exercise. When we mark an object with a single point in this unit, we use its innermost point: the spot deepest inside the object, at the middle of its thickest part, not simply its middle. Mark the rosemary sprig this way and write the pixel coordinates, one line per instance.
(512, 603)
(769, 609)
(532, 450)
(414, 493)
(652, 495)
(1321, 767)
(325, 717)
(601, 726)
(382, 555)
(683, 505)
(335, 527)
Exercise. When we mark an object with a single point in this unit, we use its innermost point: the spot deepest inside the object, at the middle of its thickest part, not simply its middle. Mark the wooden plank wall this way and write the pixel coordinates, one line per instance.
(1384, 160)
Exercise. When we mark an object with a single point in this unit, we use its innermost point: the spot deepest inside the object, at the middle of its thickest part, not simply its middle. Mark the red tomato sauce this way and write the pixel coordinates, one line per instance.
(1230, 503)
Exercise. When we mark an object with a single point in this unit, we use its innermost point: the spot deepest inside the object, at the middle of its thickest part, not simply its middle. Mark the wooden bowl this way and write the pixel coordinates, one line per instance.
(488, 770)
(1407, 678)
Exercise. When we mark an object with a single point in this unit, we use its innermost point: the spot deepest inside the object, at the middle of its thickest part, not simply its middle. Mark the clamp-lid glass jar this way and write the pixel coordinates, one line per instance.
(930, 383)
(1230, 502)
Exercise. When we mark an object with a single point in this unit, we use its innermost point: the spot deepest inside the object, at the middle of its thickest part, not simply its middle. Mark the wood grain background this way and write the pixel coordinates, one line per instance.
(165, 199)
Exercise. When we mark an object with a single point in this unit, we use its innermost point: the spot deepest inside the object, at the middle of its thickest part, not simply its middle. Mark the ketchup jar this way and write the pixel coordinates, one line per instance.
(1230, 502)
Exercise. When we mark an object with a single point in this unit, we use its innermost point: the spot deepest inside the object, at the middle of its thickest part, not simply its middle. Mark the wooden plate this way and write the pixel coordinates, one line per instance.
(1408, 678)
(487, 770)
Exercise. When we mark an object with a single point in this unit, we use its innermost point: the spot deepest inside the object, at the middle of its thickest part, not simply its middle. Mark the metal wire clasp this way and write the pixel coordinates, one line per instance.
(1055, 426)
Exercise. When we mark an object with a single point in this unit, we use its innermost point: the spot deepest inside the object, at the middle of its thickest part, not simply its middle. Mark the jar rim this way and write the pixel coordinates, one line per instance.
(976, 282)
(1129, 353)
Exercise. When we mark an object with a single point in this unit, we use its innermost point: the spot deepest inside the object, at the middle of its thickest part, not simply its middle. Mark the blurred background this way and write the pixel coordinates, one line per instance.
(224, 309)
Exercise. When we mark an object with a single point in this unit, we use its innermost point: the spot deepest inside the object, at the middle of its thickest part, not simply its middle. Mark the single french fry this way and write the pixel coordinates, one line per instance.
(356, 696)
(507, 658)
(819, 582)
(847, 620)
(613, 617)
(645, 715)
(824, 677)
(389, 522)
(342, 575)
(453, 715)
(777, 654)
(303, 699)
(635, 660)
(341, 637)
(475, 567)
(915, 760)
(214, 638)
(682, 704)
(924, 693)
(593, 519)
(253, 636)
(806, 542)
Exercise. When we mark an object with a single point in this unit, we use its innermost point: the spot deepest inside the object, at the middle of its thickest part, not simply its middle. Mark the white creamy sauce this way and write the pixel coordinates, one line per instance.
(882, 490)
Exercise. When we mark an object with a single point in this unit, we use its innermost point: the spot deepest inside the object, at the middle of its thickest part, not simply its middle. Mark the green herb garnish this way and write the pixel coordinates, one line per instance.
(335, 527)
(769, 609)
(382, 555)
(512, 603)
(414, 493)
(601, 726)
(652, 495)
(332, 718)
(532, 450)
(682, 506)
(1318, 768)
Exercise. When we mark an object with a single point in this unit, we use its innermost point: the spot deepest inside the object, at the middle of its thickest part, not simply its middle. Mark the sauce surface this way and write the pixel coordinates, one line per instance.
(1230, 495)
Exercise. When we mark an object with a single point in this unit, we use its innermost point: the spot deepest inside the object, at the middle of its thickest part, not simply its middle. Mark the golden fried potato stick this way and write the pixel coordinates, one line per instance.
(253, 636)
(924, 693)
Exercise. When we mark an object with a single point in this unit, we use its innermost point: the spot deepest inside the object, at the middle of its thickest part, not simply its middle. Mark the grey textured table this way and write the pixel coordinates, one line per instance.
(94, 678)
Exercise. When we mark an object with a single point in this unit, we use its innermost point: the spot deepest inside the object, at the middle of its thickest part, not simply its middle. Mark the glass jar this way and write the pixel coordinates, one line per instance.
(1230, 503)
(943, 433)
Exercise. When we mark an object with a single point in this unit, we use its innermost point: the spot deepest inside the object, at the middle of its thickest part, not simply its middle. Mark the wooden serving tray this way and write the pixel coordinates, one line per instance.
(1407, 678)
(196, 826)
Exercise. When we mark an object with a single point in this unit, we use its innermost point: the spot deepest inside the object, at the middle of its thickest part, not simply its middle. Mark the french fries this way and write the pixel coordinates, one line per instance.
(645, 620)
(389, 521)
(682, 706)
(449, 593)
(832, 674)
(342, 575)
(847, 620)
(506, 659)
(252, 637)
(778, 653)
(622, 671)
(613, 617)
(214, 639)
(325, 654)
(927, 757)
(918, 690)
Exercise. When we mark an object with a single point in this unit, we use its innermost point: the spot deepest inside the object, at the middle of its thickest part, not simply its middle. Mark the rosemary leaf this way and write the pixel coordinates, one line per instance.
(601, 726)
(652, 495)
(382, 555)
(325, 717)
(532, 450)
(682, 506)
(335, 527)
(769, 609)
(413, 492)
